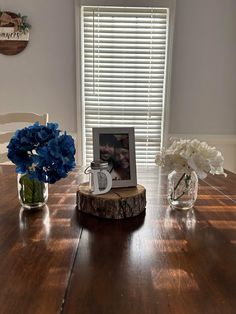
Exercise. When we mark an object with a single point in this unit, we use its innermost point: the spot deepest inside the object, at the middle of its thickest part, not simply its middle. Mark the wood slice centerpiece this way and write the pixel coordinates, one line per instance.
(118, 203)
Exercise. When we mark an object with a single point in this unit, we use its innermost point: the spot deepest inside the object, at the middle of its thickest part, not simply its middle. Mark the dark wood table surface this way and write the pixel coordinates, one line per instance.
(58, 260)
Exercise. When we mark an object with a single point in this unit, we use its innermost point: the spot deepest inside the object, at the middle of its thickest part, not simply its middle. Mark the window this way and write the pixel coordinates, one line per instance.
(124, 73)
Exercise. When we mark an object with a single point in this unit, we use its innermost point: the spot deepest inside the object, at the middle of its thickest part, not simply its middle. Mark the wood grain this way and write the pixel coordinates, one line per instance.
(37, 249)
(13, 47)
(59, 260)
(118, 203)
(226, 185)
(165, 262)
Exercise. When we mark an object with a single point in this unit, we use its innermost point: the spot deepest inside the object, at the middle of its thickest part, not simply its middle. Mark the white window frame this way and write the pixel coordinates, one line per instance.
(170, 4)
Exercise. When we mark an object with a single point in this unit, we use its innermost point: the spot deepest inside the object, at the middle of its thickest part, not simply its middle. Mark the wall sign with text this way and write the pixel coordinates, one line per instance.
(14, 33)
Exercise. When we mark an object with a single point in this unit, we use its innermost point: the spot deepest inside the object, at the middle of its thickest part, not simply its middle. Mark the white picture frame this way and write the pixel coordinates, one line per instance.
(117, 147)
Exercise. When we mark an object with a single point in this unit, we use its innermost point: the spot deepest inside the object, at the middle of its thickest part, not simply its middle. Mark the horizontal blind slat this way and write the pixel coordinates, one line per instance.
(124, 51)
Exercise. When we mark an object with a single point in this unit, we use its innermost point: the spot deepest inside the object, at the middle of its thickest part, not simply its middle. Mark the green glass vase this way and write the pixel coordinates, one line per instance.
(32, 193)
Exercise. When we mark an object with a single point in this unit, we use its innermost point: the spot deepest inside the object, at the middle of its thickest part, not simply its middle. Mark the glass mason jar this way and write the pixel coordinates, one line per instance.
(182, 189)
(32, 193)
(102, 179)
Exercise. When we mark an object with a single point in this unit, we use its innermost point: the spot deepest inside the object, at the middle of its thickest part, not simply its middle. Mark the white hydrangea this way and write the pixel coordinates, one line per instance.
(187, 155)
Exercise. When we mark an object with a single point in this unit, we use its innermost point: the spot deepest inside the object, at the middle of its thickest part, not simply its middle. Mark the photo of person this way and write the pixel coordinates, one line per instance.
(114, 149)
(107, 144)
(116, 146)
(122, 158)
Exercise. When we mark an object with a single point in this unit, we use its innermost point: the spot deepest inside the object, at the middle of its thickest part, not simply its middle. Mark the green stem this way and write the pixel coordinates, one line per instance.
(179, 181)
(176, 199)
(187, 178)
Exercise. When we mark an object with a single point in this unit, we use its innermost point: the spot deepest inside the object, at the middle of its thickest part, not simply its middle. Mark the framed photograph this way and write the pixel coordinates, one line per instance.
(117, 147)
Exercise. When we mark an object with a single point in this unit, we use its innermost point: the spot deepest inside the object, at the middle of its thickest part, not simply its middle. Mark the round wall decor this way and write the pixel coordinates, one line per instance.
(14, 33)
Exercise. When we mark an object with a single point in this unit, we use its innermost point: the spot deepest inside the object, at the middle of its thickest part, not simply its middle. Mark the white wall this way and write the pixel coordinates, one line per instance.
(42, 77)
(203, 98)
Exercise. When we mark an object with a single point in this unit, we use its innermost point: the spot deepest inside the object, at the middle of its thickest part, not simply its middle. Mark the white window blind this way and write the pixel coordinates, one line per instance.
(124, 71)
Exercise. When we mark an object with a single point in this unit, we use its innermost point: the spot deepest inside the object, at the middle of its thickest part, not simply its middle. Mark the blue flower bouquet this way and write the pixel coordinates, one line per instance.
(42, 155)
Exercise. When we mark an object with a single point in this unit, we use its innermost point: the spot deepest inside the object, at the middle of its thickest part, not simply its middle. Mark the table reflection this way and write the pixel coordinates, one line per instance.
(184, 219)
(34, 225)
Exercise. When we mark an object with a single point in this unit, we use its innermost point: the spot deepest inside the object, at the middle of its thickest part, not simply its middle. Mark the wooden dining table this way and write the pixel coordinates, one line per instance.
(59, 260)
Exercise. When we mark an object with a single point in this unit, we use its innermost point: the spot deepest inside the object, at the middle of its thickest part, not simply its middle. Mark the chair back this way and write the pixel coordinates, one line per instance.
(9, 119)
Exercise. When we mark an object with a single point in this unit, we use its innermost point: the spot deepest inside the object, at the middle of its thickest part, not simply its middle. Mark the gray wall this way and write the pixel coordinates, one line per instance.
(204, 68)
(42, 77)
(203, 100)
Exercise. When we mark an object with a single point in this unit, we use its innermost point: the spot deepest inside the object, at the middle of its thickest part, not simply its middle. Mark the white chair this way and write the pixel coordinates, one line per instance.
(16, 118)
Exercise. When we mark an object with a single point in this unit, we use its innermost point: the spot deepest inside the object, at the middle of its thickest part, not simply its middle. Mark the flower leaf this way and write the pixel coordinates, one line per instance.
(31, 190)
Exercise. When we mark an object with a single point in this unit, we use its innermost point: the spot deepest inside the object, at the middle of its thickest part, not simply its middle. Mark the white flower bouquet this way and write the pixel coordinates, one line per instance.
(191, 155)
(186, 161)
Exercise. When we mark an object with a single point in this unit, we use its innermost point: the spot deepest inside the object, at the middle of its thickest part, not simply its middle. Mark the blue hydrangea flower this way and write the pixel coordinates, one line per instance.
(42, 152)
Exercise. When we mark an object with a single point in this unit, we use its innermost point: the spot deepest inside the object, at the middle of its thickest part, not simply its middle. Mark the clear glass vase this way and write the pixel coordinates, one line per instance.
(32, 193)
(182, 189)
